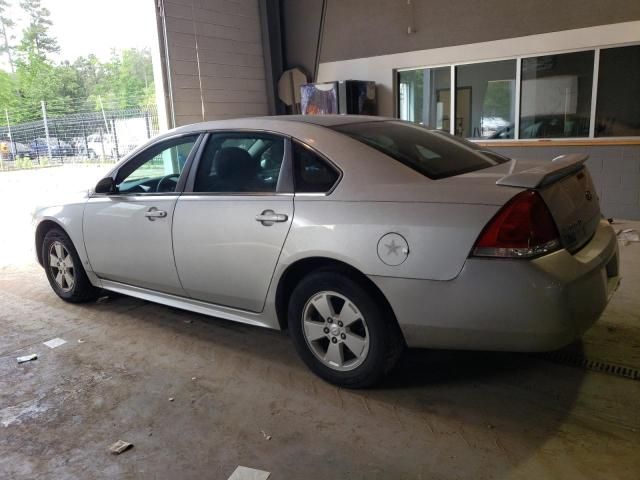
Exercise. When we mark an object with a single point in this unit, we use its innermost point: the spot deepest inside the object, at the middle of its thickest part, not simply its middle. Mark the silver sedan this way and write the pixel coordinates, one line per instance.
(360, 235)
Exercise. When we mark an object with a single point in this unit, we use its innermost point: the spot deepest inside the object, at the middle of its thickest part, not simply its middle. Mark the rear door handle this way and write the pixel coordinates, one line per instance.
(269, 217)
(154, 213)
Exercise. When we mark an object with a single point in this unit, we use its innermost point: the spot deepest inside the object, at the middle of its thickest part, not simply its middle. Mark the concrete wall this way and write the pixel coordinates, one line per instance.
(366, 28)
(214, 59)
(301, 21)
(381, 68)
(214, 63)
(615, 170)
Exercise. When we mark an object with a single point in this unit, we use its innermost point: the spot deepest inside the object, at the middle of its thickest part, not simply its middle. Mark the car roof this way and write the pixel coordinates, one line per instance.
(331, 120)
(281, 123)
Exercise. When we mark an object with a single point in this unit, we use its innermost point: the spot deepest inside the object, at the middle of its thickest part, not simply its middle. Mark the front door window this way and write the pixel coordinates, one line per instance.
(157, 169)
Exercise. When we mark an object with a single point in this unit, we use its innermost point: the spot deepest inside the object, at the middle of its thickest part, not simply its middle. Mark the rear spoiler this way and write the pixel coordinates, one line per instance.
(545, 174)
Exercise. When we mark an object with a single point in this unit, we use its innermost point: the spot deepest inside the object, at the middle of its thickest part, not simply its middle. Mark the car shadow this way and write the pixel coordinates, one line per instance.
(495, 409)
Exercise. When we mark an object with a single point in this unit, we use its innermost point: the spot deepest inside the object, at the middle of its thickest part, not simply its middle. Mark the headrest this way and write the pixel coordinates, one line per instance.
(234, 161)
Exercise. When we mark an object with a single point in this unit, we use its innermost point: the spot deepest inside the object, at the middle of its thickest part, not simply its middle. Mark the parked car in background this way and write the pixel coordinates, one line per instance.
(361, 235)
(101, 145)
(59, 148)
(546, 126)
(107, 145)
(80, 148)
(12, 150)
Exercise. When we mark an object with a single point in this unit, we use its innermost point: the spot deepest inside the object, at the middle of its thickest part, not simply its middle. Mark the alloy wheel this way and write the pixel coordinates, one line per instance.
(335, 330)
(61, 266)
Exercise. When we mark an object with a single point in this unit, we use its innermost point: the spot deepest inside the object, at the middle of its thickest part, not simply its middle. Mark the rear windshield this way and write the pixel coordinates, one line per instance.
(434, 154)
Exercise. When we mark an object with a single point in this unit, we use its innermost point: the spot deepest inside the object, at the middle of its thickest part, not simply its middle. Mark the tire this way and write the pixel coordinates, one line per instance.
(68, 279)
(362, 350)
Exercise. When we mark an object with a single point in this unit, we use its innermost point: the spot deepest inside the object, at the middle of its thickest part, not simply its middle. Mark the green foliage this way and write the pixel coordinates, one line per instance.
(86, 84)
(7, 89)
(497, 100)
(35, 38)
(22, 163)
(6, 23)
(124, 81)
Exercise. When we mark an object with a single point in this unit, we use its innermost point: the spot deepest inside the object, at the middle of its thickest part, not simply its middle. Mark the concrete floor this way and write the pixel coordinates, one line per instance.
(441, 415)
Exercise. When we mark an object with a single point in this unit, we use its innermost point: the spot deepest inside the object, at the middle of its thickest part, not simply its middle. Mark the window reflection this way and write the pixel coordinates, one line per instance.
(485, 99)
(618, 104)
(555, 96)
(425, 96)
(555, 99)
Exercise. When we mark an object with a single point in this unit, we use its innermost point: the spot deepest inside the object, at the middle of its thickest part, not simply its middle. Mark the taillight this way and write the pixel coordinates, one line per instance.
(523, 228)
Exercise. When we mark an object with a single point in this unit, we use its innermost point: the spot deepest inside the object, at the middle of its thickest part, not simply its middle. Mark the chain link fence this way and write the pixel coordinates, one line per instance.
(101, 136)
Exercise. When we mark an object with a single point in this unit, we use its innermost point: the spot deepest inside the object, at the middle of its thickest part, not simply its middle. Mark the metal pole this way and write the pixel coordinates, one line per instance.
(60, 151)
(104, 156)
(46, 128)
(12, 147)
(147, 119)
(115, 140)
(104, 116)
(35, 140)
(84, 135)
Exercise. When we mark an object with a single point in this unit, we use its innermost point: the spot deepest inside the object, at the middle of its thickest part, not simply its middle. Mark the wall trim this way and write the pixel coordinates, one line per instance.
(547, 142)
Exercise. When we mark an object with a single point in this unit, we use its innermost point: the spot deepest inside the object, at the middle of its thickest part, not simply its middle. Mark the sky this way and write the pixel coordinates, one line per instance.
(97, 26)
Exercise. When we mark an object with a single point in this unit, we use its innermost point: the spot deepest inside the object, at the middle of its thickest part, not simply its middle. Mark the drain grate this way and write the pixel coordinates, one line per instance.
(580, 361)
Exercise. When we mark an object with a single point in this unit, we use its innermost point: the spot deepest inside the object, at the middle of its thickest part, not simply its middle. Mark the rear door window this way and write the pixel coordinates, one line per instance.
(312, 174)
(240, 163)
(431, 153)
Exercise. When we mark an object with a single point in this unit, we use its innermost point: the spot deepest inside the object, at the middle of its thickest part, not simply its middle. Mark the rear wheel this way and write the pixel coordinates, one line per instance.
(64, 269)
(342, 331)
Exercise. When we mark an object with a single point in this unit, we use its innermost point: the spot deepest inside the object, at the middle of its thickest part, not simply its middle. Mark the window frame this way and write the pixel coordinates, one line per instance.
(591, 138)
(322, 157)
(136, 157)
(285, 176)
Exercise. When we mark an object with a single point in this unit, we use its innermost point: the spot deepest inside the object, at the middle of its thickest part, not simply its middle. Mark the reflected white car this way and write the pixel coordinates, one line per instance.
(361, 235)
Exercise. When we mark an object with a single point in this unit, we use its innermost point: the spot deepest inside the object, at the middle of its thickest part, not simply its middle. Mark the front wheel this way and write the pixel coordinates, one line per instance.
(64, 269)
(342, 331)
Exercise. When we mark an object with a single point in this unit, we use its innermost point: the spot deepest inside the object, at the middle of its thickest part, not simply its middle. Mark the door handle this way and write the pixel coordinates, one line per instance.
(154, 213)
(269, 217)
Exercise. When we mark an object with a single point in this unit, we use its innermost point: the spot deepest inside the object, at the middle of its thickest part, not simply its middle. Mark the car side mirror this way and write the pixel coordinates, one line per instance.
(106, 185)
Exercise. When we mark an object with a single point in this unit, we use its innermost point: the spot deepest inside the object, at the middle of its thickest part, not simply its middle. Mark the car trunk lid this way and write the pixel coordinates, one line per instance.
(567, 188)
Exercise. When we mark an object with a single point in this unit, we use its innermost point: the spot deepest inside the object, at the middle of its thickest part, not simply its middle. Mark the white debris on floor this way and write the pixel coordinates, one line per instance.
(119, 447)
(628, 235)
(27, 358)
(55, 342)
(17, 414)
(246, 473)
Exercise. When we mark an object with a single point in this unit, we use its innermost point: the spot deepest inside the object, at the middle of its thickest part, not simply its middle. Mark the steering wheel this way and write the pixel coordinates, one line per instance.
(165, 186)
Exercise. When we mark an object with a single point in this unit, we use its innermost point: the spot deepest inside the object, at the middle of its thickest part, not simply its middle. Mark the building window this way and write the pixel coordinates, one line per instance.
(618, 104)
(425, 96)
(555, 99)
(548, 96)
(485, 99)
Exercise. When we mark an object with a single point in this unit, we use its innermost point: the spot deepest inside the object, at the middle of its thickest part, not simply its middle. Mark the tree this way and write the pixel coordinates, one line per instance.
(7, 93)
(35, 37)
(125, 81)
(5, 24)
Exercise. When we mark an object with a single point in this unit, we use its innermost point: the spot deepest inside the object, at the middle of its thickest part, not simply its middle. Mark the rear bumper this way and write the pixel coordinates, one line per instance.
(515, 305)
